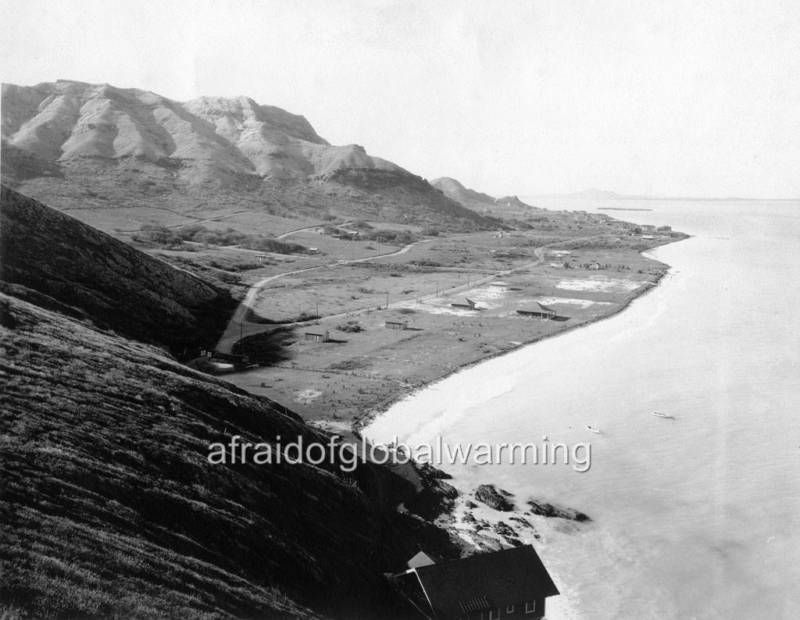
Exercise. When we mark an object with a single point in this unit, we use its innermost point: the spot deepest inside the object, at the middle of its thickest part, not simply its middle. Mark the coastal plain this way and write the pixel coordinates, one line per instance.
(364, 334)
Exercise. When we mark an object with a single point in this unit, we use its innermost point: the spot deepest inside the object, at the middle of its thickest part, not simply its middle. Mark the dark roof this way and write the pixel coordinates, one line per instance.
(485, 581)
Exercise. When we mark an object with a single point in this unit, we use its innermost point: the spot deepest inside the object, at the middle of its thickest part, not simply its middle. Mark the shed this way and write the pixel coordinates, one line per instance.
(538, 310)
(470, 305)
(317, 337)
(396, 324)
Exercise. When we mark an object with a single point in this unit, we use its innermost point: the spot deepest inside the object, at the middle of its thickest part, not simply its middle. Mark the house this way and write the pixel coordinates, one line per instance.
(539, 311)
(317, 337)
(595, 266)
(512, 583)
(470, 305)
(396, 324)
(346, 233)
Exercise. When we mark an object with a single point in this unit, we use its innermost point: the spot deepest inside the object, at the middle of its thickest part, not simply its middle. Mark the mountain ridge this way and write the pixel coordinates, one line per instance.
(67, 142)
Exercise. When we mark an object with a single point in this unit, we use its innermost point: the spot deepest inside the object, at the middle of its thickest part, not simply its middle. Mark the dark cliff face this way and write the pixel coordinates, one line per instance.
(109, 505)
(113, 284)
(111, 508)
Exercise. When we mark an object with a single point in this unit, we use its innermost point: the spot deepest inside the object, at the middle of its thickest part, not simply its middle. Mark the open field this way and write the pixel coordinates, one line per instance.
(366, 365)
(584, 266)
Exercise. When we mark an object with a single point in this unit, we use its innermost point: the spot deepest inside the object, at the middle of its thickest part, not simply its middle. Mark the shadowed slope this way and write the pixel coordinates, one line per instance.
(110, 507)
(115, 285)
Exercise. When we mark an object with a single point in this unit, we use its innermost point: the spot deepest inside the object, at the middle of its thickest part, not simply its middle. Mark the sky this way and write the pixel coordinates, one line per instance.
(673, 97)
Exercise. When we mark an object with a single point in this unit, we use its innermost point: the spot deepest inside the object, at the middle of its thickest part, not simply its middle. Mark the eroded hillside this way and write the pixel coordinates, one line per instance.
(95, 147)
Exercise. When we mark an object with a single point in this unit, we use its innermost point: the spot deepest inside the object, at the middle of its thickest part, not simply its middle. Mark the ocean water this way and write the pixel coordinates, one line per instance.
(697, 517)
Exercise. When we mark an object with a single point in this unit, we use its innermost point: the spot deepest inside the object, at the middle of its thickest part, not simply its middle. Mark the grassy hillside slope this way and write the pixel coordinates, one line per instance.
(110, 507)
(108, 281)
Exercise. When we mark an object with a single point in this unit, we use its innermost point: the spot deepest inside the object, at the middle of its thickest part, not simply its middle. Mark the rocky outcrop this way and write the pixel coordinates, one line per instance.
(513, 202)
(489, 495)
(507, 533)
(546, 509)
(436, 497)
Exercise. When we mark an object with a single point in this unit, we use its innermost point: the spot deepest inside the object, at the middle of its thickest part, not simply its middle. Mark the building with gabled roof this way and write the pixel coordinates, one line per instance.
(512, 583)
(538, 310)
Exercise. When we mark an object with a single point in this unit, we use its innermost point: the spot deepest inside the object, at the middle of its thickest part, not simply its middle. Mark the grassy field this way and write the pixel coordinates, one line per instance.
(584, 267)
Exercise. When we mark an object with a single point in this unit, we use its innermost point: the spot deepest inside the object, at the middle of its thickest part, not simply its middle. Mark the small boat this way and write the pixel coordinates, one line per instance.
(589, 427)
(666, 416)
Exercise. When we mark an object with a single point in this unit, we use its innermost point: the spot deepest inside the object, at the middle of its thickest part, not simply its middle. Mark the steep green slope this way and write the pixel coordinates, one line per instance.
(110, 507)
(113, 284)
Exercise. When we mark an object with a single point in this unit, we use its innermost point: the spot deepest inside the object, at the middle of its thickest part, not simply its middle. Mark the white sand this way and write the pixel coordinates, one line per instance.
(572, 301)
(307, 396)
(433, 308)
(602, 285)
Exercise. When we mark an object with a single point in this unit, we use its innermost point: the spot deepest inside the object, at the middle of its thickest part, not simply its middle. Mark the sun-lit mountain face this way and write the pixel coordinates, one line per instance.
(210, 136)
(95, 147)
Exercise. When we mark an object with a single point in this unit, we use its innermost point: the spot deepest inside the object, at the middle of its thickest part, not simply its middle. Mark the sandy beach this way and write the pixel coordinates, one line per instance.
(676, 505)
(367, 366)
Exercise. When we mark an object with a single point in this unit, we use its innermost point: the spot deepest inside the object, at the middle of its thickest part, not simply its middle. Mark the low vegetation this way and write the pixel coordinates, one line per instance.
(397, 237)
(351, 326)
(174, 238)
(266, 348)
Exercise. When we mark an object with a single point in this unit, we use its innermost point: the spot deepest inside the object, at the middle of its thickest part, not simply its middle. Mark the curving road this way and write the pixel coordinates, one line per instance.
(237, 322)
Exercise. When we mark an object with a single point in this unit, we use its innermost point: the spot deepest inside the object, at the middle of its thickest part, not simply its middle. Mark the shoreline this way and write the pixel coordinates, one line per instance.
(390, 328)
(359, 423)
(487, 518)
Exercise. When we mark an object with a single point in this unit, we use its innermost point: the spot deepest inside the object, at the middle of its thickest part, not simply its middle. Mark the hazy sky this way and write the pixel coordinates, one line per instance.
(669, 97)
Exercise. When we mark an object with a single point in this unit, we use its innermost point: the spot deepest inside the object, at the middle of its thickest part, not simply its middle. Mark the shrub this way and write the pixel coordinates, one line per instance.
(172, 238)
